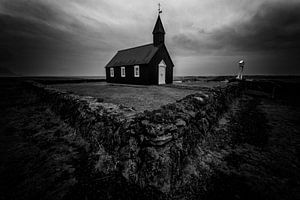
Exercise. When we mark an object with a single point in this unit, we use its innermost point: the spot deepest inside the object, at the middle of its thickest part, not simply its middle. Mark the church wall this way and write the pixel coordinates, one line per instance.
(148, 73)
(144, 79)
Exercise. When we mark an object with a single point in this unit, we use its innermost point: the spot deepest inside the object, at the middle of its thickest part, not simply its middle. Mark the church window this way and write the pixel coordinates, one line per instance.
(136, 71)
(112, 74)
(123, 72)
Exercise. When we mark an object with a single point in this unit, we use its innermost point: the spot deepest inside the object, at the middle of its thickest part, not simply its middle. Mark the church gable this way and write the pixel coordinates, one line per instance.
(162, 53)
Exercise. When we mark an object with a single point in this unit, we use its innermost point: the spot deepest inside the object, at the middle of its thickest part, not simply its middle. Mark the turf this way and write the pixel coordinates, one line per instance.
(139, 97)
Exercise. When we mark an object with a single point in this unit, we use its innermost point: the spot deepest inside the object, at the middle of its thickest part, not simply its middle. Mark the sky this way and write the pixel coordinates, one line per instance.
(207, 37)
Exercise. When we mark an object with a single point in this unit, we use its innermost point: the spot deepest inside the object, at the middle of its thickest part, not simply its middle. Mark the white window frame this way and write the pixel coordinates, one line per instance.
(112, 72)
(136, 67)
(123, 70)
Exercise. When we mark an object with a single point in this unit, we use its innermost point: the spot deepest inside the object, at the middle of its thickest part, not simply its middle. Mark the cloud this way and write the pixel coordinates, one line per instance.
(275, 27)
(40, 39)
(37, 10)
(191, 44)
(75, 37)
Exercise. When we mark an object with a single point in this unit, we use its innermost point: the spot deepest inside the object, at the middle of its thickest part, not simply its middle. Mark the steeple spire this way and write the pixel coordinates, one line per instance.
(158, 31)
(158, 28)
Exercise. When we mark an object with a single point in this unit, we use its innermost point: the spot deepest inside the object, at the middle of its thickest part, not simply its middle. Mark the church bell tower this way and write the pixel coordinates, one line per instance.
(158, 31)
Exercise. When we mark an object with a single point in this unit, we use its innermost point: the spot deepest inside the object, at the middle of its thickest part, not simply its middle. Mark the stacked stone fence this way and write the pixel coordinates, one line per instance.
(150, 149)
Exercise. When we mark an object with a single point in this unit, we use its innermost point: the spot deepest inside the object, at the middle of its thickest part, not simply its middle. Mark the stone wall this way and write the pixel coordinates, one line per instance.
(151, 149)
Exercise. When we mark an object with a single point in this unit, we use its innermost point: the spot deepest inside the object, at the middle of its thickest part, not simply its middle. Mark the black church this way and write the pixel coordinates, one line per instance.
(148, 64)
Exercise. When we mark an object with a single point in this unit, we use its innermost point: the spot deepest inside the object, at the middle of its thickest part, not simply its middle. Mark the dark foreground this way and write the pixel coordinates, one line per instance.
(252, 153)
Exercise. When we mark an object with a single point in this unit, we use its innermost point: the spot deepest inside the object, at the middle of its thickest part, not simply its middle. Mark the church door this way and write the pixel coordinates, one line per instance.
(162, 73)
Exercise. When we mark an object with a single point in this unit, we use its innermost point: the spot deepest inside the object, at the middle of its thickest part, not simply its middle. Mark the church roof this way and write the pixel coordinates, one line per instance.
(158, 28)
(134, 56)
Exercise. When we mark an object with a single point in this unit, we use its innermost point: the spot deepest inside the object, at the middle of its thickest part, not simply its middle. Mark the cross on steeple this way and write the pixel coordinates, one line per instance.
(159, 9)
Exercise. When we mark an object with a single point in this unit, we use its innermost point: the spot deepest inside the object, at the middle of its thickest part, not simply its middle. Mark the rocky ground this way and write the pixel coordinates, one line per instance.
(252, 152)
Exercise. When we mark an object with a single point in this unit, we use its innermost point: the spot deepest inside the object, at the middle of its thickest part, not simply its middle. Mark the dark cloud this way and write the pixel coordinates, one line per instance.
(274, 28)
(193, 44)
(39, 10)
(38, 38)
(31, 44)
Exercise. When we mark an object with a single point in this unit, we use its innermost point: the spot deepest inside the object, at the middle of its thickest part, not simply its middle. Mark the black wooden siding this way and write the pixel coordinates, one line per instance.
(129, 78)
(148, 72)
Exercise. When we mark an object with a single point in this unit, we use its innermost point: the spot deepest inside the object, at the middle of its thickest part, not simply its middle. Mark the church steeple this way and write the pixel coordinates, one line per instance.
(158, 31)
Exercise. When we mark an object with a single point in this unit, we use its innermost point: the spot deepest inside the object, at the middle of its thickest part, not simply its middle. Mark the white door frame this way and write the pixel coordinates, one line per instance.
(162, 72)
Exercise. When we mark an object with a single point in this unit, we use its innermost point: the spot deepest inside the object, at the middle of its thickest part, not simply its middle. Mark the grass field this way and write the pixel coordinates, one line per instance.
(151, 97)
(140, 97)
